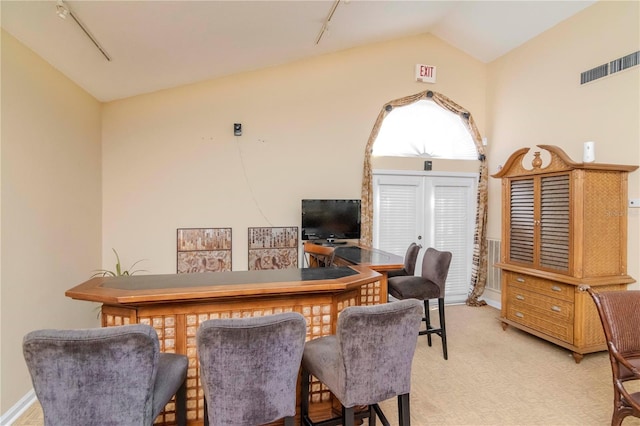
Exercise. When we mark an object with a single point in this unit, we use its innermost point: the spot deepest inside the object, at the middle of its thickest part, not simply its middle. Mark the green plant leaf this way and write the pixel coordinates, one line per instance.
(103, 273)
(118, 271)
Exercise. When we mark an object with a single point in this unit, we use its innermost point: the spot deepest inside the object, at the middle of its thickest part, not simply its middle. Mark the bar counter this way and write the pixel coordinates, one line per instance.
(176, 304)
(378, 260)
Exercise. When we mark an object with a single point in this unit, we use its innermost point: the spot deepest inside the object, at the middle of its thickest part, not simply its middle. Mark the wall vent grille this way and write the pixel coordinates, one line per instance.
(612, 67)
(493, 257)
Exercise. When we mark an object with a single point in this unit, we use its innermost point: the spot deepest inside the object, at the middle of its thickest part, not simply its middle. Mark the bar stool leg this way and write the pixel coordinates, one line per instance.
(348, 416)
(206, 413)
(443, 329)
(404, 418)
(181, 405)
(427, 321)
(372, 415)
(304, 398)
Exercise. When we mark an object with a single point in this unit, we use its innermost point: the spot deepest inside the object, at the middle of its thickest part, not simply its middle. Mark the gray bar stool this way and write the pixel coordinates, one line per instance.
(104, 376)
(367, 361)
(410, 259)
(249, 368)
(431, 285)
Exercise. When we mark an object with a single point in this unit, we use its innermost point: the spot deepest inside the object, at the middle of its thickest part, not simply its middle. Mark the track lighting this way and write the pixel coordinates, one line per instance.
(325, 25)
(62, 10)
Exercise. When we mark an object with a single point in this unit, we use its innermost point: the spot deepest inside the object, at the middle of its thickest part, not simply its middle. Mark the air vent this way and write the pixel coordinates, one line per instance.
(594, 74)
(612, 67)
(624, 62)
(493, 257)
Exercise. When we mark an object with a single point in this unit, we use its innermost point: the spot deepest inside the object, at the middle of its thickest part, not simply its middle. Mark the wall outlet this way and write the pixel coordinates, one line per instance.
(634, 202)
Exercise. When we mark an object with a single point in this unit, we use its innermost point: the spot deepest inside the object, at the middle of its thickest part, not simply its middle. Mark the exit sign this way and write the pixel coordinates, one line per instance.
(425, 73)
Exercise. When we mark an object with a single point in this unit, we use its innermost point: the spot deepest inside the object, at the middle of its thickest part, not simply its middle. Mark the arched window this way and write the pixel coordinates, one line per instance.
(432, 101)
(424, 129)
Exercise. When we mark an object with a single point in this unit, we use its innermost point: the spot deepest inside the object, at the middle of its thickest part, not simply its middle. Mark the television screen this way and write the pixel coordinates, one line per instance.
(330, 219)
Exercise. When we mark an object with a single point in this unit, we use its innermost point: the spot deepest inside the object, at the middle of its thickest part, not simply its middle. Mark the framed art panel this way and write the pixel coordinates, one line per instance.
(203, 250)
(273, 247)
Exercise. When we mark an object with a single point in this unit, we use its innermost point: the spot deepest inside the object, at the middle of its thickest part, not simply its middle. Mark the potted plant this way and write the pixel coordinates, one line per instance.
(118, 271)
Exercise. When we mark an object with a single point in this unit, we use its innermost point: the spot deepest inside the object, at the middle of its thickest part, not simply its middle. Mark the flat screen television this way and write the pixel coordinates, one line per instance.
(330, 219)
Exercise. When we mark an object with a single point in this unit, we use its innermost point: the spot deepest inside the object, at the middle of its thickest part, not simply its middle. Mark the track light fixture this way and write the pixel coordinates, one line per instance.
(325, 25)
(62, 10)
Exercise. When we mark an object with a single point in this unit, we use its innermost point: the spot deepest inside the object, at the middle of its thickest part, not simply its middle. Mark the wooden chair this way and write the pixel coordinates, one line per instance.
(317, 256)
(620, 316)
(431, 285)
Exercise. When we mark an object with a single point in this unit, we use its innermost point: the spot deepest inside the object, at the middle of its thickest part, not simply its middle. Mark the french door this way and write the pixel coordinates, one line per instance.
(432, 209)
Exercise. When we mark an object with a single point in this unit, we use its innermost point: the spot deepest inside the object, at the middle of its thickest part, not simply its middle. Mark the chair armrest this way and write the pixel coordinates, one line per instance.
(623, 361)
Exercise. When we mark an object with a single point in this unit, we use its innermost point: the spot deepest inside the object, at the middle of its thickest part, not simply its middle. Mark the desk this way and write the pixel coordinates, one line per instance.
(176, 304)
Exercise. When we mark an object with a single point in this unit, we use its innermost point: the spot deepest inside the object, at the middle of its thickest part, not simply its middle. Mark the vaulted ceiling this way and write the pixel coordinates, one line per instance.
(155, 45)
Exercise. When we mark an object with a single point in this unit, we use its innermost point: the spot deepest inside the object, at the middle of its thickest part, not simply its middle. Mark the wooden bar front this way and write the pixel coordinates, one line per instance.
(175, 305)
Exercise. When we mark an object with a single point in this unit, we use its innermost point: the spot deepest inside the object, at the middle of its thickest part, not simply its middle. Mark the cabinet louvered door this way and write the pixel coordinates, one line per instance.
(554, 222)
(522, 238)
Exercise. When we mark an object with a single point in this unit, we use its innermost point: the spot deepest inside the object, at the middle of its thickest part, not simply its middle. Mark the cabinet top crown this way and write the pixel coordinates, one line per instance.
(560, 161)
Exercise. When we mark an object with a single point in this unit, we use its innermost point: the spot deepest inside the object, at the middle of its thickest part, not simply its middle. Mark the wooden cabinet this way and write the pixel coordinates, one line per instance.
(564, 225)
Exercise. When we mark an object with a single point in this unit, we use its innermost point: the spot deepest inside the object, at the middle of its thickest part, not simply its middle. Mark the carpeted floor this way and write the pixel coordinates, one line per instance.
(494, 377)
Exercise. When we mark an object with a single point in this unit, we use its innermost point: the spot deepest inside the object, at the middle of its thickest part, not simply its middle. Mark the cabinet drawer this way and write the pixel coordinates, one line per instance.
(540, 285)
(548, 315)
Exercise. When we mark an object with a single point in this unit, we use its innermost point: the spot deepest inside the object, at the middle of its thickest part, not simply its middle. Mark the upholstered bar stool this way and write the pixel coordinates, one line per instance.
(410, 259)
(367, 361)
(249, 368)
(431, 285)
(104, 376)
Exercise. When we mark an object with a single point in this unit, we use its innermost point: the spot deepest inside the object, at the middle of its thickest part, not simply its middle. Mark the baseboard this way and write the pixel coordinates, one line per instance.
(18, 409)
(493, 303)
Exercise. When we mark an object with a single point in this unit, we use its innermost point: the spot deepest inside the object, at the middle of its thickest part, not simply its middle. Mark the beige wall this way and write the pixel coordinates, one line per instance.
(171, 160)
(51, 201)
(535, 97)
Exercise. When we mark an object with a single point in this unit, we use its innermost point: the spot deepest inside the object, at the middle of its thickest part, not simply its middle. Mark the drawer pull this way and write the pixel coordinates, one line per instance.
(520, 279)
(556, 288)
(556, 308)
(519, 297)
(519, 314)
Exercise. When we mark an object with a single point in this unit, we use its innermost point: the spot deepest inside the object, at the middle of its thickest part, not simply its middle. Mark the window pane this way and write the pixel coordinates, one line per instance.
(424, 129)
